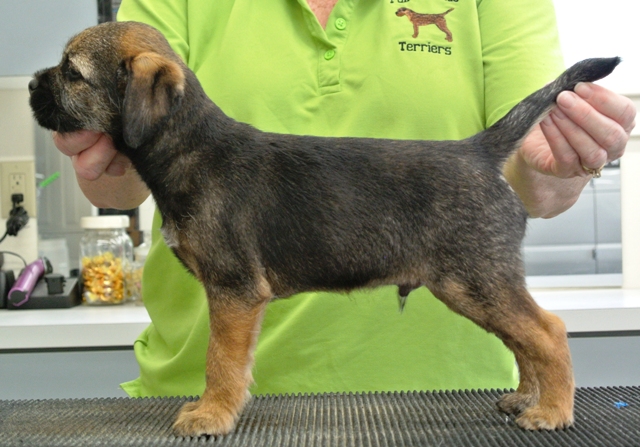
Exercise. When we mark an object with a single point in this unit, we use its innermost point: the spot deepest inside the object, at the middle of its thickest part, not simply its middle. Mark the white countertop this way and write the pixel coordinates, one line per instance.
(593, 310)
(583, 310)
(80, 326)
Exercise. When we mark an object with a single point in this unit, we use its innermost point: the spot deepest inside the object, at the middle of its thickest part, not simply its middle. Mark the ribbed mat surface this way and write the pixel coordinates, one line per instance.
(604, 417)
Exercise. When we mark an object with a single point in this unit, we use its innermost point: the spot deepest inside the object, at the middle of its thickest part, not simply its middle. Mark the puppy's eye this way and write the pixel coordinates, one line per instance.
(73, 74)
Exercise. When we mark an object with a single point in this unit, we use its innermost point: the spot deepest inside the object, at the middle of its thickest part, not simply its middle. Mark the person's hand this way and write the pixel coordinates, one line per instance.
(104, 174)
(92, 154)
(589, 128)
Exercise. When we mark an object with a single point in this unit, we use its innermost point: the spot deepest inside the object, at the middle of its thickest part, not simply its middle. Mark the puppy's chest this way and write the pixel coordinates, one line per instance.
(178, 242)
(170, 234)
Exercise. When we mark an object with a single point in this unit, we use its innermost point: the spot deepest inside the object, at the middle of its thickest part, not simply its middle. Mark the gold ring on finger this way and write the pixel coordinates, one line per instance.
(595, 172)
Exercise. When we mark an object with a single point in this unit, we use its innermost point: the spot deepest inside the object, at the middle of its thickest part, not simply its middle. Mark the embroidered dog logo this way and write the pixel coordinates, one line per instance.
(418, 20)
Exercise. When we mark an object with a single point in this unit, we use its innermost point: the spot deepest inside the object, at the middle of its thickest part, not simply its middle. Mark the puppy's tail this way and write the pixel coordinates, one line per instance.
(505, 136)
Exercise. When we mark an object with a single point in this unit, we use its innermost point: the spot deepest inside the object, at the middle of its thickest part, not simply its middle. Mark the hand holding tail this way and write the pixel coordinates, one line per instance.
(589, 127)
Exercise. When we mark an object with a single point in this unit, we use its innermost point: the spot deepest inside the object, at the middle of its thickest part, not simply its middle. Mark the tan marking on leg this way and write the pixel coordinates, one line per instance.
(552, 363)
(234, 332)
(544, 398)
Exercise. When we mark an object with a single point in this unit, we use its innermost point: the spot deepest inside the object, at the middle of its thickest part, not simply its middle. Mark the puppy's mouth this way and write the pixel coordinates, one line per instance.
(45, 108)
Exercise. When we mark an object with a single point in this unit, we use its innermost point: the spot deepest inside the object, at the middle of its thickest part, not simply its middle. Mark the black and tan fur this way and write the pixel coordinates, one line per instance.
(257, 216)
(418, 19)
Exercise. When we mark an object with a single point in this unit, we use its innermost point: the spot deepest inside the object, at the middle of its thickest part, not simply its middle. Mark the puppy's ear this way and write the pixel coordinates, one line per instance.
(155, 88)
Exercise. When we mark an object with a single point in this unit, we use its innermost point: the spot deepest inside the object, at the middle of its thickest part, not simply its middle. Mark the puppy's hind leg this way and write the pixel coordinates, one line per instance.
(235, 325)
(544, 398)
(545, 350)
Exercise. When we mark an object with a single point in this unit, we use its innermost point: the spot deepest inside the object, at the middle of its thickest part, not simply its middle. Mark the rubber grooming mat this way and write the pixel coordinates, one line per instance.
(604, 417)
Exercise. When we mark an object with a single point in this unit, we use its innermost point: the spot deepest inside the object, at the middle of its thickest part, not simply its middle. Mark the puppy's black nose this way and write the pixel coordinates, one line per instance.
(33, 84)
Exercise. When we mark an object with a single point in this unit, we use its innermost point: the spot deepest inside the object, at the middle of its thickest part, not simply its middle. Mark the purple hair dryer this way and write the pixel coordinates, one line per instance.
(21, 290)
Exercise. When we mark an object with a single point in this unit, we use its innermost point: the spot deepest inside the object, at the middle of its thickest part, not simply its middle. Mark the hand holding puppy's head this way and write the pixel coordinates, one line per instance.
(126, 87)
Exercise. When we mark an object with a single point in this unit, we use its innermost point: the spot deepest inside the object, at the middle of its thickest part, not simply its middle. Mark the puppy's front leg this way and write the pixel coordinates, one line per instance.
(235, 325)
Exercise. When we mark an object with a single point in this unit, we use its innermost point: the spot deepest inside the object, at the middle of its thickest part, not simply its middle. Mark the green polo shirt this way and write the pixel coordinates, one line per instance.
(272, 65)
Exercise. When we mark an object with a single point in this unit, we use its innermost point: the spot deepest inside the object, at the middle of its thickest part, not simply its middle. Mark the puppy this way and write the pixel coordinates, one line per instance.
(257, 216)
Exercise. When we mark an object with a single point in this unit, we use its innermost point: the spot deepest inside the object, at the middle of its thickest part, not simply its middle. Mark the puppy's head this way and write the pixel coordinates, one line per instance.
(119, 78)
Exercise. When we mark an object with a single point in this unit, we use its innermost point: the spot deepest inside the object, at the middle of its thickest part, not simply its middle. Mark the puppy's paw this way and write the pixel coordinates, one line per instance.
(198, 418)
(516, 403)
(540, 418)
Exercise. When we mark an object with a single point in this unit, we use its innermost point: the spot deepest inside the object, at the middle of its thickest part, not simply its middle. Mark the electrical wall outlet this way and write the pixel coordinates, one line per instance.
(18, 177)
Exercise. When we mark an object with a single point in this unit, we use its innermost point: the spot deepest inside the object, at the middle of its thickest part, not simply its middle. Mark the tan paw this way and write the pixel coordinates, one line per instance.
(539, 418)
(196, 419)
(516, 403)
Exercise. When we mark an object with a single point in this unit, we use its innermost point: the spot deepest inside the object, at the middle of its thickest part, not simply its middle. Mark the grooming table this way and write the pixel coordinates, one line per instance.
(604, 417)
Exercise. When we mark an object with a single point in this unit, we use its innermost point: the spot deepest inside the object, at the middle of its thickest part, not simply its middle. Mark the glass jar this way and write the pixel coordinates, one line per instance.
(106, 254)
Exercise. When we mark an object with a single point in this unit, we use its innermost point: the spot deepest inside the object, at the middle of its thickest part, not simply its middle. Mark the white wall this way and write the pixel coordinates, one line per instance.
(17, 143)
(32, 36)
(34, 32)
(593, 28)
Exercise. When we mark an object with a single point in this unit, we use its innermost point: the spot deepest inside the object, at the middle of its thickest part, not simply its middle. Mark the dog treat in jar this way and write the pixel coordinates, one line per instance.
(106, 254)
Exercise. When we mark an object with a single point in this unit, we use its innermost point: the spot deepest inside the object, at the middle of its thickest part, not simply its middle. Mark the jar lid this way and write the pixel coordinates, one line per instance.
(104, 222)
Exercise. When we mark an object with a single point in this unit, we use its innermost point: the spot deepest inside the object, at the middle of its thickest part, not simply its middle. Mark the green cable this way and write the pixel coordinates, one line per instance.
(46, 182)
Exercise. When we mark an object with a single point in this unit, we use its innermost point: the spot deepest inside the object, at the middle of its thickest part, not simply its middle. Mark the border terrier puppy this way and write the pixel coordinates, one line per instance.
(257, 216)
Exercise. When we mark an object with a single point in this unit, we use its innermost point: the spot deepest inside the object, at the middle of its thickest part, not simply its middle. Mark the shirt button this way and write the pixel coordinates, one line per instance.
(341, 23)
(328, 55)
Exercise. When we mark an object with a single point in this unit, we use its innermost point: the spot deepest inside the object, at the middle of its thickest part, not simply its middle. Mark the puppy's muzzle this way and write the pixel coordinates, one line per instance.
(40, 96)
(46, 109)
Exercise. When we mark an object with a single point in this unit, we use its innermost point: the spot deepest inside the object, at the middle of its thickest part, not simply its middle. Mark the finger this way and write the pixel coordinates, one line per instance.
(72, 143)
(607, 133)
(118, 166)
(566, 161)
(578, 122)
(617, 107)
(91, 163)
